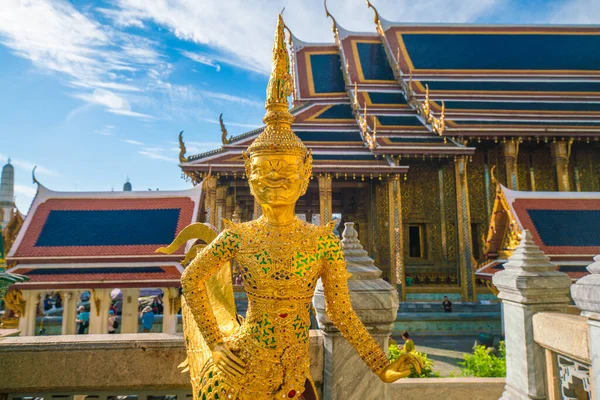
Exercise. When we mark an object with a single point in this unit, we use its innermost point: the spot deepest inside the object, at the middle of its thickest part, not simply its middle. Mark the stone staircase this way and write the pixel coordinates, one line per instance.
(466, 318)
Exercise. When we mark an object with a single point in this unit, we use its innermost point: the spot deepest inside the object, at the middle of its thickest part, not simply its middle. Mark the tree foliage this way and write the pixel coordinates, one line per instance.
(483, 363)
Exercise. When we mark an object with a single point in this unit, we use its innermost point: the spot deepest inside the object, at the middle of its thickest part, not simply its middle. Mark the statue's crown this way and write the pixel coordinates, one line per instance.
(277, 137)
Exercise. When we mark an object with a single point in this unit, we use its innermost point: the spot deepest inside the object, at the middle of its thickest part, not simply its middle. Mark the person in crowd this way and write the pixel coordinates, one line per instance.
(83, 320)
(157, 304)
(238, 280)
(47, 303)
(113, 308)
(409, 345)
(447, 304)
(147, 319)
(112, 322)
(57, 301)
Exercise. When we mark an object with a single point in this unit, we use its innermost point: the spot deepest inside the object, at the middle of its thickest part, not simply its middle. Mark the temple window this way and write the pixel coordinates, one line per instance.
(416, 241)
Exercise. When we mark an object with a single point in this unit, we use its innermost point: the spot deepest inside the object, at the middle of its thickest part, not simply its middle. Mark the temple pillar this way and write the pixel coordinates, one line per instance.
(229, 206)
(69, 316)
(360, 219)
(325, 200)
(210, 199)
(511, 153)
(528, 285)
(463, 215)
(345, 375)
(561, 151)
(100, 303)
(171, 305)
(220, 203)
(395, 227)
(129, 311)
(27, 320)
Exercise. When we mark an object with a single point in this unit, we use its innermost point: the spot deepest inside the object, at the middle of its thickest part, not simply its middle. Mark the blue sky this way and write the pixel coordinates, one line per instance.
(95, 91)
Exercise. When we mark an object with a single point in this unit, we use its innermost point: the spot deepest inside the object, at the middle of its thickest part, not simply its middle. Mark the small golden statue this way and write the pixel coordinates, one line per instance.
(281, 258)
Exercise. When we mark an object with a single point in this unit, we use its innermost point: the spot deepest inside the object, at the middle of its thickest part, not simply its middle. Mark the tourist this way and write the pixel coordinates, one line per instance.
(147, 319)
(409, 345)
(58, 301)
(112, 322)
(157, 304)
(83, 320)
(447, 304)
(47, 303)
(113, 308)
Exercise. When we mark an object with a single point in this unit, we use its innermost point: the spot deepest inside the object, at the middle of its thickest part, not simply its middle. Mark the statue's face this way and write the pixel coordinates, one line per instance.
(277, 179)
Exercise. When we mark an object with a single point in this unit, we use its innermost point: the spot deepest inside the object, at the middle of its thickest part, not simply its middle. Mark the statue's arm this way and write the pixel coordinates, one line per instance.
(340, 311)
(193, 283)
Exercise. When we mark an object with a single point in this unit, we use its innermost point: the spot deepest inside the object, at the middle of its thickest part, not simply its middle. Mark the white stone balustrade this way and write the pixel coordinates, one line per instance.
(529, 284)
(345, 375)
(586, 294)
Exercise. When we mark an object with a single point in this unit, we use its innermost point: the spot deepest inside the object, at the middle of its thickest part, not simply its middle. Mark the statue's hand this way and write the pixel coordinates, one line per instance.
(226, 361)
(400, 368)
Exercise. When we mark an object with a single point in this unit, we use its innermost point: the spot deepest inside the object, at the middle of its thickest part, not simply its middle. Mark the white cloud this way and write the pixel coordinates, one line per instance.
(232, 98)
(158, 156)
(28, 166)
(202, 59)
(26, 191)
(130, 113)
(577, 12)
(243, 30)
(134, 142)
(57, 38)
(106, 130)
(108, 85)
(153, 149)
(113, 102)
(122, 19)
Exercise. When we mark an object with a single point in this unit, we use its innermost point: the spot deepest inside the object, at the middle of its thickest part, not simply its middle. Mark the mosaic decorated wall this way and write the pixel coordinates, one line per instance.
(429, 204)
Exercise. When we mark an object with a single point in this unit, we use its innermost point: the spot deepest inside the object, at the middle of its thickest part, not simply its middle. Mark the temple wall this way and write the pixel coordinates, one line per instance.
(429, 203)
(584, 168)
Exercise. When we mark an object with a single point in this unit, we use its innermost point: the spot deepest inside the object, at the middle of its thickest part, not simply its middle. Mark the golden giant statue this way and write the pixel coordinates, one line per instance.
(266, 356)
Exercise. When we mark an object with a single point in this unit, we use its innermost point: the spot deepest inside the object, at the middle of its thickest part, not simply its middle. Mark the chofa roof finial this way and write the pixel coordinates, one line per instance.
(328, 14)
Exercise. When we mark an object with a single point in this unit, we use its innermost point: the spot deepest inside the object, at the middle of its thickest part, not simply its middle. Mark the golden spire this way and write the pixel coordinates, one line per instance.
(277, 137)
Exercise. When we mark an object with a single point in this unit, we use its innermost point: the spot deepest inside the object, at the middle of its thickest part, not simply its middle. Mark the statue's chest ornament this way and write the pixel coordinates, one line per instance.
(280, 256)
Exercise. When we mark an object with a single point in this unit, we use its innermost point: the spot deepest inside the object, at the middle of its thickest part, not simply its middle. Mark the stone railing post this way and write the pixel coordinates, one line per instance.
(529, 284)
(171, 305)
(69, 317)
(27, 321)
(130, 310)
(99, 306)
(345, 375)
(586, 294)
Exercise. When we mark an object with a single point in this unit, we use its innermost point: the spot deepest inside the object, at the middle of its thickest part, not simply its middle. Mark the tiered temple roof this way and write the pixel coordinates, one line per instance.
(565, 225)
(102, 239)
(367, 101)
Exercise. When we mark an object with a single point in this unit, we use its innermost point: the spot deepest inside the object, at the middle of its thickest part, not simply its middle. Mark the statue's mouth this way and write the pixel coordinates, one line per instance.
(265, 184)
